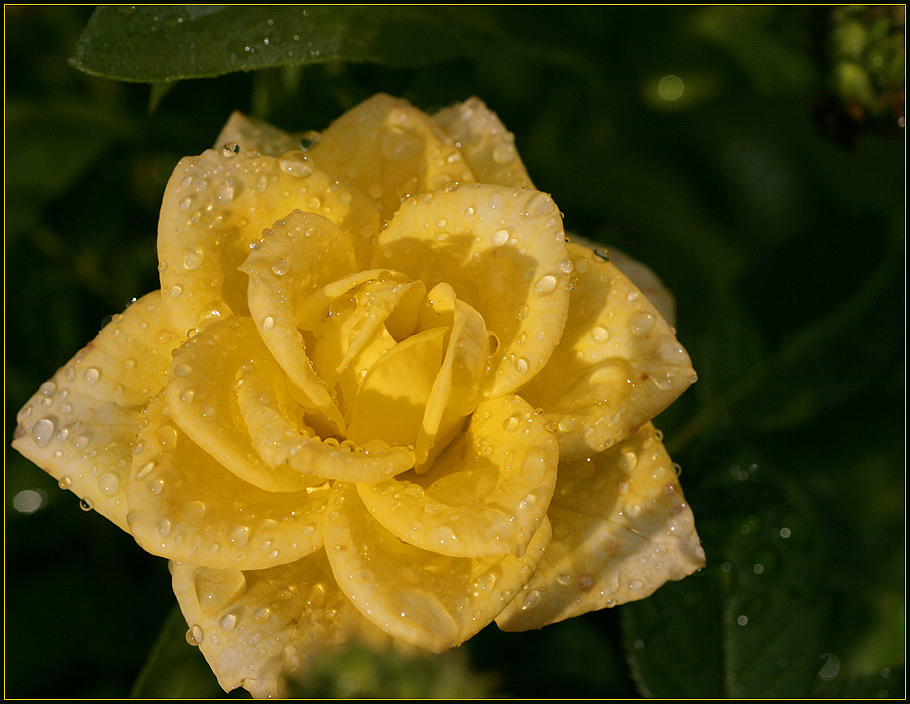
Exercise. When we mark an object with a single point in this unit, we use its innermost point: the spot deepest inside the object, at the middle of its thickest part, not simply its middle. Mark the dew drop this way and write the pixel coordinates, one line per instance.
(280, 266)
(532, 600)
(183, 370)
(65, 483)
(194, 635)
(164, 527)
(566, 265)
(641, 322)
(239, 536)
(521, 365)
(500, 237)
(545, 285)
(268, 322)
(43, 432)
(86, 505)
(225, 194)
(109, 483)
(227, 622)
(599, 334)
(91, 375)
(230, 149)
(192, 258)
(144, 470)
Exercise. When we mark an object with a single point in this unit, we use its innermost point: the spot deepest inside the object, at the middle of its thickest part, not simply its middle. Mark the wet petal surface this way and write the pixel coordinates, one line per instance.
(433, 601)
(184, 505)
(255, 626)
(389, 150)
(503, 252)
(621, 529)
(81, 426)
(485, 143)
(485, 495)
(617, 365)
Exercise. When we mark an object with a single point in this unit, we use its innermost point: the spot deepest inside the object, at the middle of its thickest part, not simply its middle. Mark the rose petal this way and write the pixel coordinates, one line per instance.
(81, 425)
(349, 323)
(392, 398)
(283, 443)
(390, 149)
(201, 400)
(617, 365)
(485, 143)
(455, 391)
(254, 626)
(504, 254)
(215, 206)
(433, 601)
(299, 255)
(243, 133)
(485, 495)
(621, 529)
(184, 505)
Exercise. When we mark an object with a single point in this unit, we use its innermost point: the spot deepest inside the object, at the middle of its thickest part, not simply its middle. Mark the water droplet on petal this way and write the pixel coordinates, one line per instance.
(500, 237)
(225, 194)
(43, 432)
(194, 635)
(641, 322)
(545, 285)
(230, 149)
(239, 536)
(91, 375)
(532, 600)
(109, 483)
(280, 266)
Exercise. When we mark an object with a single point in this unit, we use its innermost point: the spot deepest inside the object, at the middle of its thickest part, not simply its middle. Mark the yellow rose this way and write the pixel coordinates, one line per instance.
(379, 395)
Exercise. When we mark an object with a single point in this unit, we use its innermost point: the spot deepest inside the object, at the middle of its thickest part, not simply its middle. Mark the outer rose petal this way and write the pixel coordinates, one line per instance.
(390, 149)
(621, 529)
(216, 205)
(503, 251)
(617, 365)
(485, 495)
(433, 601)
(250, 134)
(254, 626)
(186, 506)
(81, 425)
(487, 146)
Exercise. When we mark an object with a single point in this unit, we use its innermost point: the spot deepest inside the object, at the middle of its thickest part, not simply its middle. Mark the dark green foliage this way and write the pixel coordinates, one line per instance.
(774, 215)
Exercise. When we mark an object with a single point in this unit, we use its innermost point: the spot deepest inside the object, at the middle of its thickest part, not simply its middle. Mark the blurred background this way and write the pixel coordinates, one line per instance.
(753, 156)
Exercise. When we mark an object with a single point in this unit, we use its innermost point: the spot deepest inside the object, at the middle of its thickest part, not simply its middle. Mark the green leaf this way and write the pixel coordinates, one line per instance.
(752, 623)
(155, 43)
(175, 669)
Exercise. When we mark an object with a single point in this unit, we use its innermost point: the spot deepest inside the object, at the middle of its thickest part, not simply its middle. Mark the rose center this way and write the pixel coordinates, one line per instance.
(401, 363)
